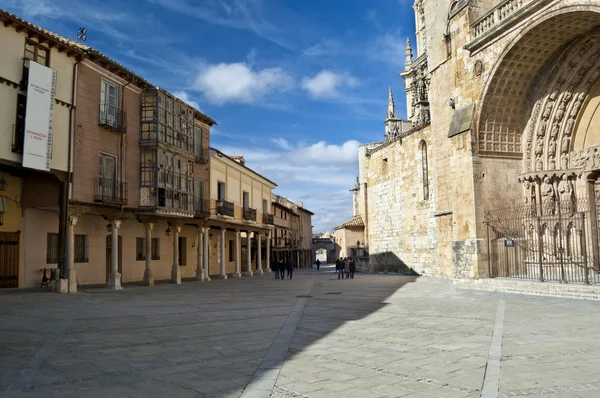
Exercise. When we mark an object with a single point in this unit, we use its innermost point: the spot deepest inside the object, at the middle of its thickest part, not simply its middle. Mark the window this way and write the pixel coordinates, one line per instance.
(221, 191)
(107, 176)
(231, 251)
(265, 206)
(109, 103)
(81, 248)
(384, 166)
(140, 249)
(52, 243)
(246, 197)
(37, 52)
(425, 170)
(198, 141)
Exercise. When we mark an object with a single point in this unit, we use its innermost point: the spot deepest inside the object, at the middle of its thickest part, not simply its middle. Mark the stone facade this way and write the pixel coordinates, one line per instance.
(499, 93)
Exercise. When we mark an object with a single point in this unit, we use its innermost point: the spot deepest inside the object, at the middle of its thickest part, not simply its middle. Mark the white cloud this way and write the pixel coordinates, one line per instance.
(185, 97)
(326, 84)
(324, 47)
(320, 174)
(237, 82)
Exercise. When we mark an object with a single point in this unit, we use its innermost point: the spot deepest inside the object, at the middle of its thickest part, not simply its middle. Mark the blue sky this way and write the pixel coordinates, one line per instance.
(294, 85)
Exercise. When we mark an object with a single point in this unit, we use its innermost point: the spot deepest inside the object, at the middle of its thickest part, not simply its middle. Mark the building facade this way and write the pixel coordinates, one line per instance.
(292, 232)
(36, 122)
(501, 99)
(238, 233)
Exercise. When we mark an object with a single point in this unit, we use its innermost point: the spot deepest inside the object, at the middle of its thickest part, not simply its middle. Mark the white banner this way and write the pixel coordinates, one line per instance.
(37, 144)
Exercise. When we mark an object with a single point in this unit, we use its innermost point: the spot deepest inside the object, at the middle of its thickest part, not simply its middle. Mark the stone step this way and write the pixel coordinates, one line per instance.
(536, 288)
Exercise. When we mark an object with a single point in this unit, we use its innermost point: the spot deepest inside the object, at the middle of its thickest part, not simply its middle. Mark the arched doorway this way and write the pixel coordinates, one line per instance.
(540, 108)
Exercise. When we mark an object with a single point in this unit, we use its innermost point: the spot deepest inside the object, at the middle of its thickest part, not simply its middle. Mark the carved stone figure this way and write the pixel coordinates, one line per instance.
(539, 147)
(596, 159)
(565, 161)
(566, 193)
(539, 164)
(560, 112)
(548, 196)
(565, 145)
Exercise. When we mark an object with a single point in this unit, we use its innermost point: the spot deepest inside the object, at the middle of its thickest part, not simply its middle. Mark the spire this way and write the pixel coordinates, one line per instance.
(409, 54)
(391, 111)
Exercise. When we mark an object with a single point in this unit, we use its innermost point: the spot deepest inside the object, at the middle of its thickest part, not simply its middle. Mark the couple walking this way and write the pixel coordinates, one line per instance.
(280, 266)
(346, 267)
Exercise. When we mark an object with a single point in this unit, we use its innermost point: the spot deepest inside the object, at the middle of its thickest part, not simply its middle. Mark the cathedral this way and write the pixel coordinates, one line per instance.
(495, 171)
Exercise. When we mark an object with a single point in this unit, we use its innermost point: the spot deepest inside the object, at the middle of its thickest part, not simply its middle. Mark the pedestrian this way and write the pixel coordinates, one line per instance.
(352, 268)
(318, 264)
(281, 268)
(346, 268)
(275, 267)
(339, 267)
(290, 267)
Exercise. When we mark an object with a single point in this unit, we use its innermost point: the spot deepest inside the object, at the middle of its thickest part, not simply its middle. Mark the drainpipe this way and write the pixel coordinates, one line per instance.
(121, 170)
(65, 190)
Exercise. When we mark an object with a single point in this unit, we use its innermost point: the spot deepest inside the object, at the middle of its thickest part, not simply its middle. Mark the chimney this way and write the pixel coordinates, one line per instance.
(301, 204)
(239, 159)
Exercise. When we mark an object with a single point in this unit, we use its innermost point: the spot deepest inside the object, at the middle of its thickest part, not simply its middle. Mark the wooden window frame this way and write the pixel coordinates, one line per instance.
(36, 47)
(52, 247)
(77, 251)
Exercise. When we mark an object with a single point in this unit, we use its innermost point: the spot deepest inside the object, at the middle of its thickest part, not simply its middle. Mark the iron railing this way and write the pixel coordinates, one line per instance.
(249, 214)
(200, 154)
(225, 208)
(113, 118)
(202, 206)
(110, 191)
(554, 242)
(268, 219)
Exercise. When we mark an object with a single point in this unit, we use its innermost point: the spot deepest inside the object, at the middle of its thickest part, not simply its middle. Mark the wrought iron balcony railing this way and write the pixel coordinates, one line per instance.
(113, 118)
(225, 208)
(249, 214)
(202, 207)
(110, 191)
(201, 154)
(268, 219)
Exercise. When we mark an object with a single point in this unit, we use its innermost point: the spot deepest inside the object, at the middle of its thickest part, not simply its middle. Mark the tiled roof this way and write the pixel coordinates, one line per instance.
(356, 222)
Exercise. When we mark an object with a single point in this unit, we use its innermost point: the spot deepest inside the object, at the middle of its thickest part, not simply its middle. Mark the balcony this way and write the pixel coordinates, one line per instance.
(500, 18)
(110, 191)
(268, 219)
(249, 214)
(202, 207)
(225, 208)
(200, 154)
(112, 118)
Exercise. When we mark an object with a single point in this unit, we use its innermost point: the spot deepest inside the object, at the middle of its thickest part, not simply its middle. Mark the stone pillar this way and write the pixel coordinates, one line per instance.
(591, 187)
(298, 259)
(114, 280)
(249, 257)
(199, 268)
(259, 268)
(237, 252)
(268, 262)
(206, 251)
(222, 251)
(148, 279)
(71, 274)
(175, 270)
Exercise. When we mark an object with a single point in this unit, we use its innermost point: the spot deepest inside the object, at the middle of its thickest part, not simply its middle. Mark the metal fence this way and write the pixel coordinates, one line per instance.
(557, 242)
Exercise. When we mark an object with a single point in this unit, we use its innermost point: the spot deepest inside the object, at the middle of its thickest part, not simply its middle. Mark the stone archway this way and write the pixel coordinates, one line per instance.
(326, 244)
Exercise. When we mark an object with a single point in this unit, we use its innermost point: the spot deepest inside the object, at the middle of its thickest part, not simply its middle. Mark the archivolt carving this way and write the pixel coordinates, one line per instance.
(549, 134)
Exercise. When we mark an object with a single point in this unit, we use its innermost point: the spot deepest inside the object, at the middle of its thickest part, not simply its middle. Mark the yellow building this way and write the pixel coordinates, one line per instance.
(237, 237)
(36, 97)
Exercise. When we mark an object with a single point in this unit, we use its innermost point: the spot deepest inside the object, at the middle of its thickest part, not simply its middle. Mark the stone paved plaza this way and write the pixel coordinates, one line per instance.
(374, 336)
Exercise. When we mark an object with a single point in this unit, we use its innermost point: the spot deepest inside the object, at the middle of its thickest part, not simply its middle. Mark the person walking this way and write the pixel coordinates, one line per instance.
(282, 268)
(339, 266)
(318, 264)
(275, 267)
(352, 268)
(290, 267)
(346, 268)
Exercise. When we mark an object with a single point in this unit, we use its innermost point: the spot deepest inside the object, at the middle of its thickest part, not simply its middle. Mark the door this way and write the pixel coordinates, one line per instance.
(246, 197)
(107, 173)
(109, 256)
(9, 259)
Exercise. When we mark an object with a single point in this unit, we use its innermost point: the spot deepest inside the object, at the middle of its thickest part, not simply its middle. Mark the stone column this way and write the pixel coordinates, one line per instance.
(268, 262)
(206, 241)
(199, 268)
(148, 279)
(71, 274)
(298, 259)
(249, 257)
(222, 250)
(237, 250)
(175, 270)
(259, 268)
(114, 280)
